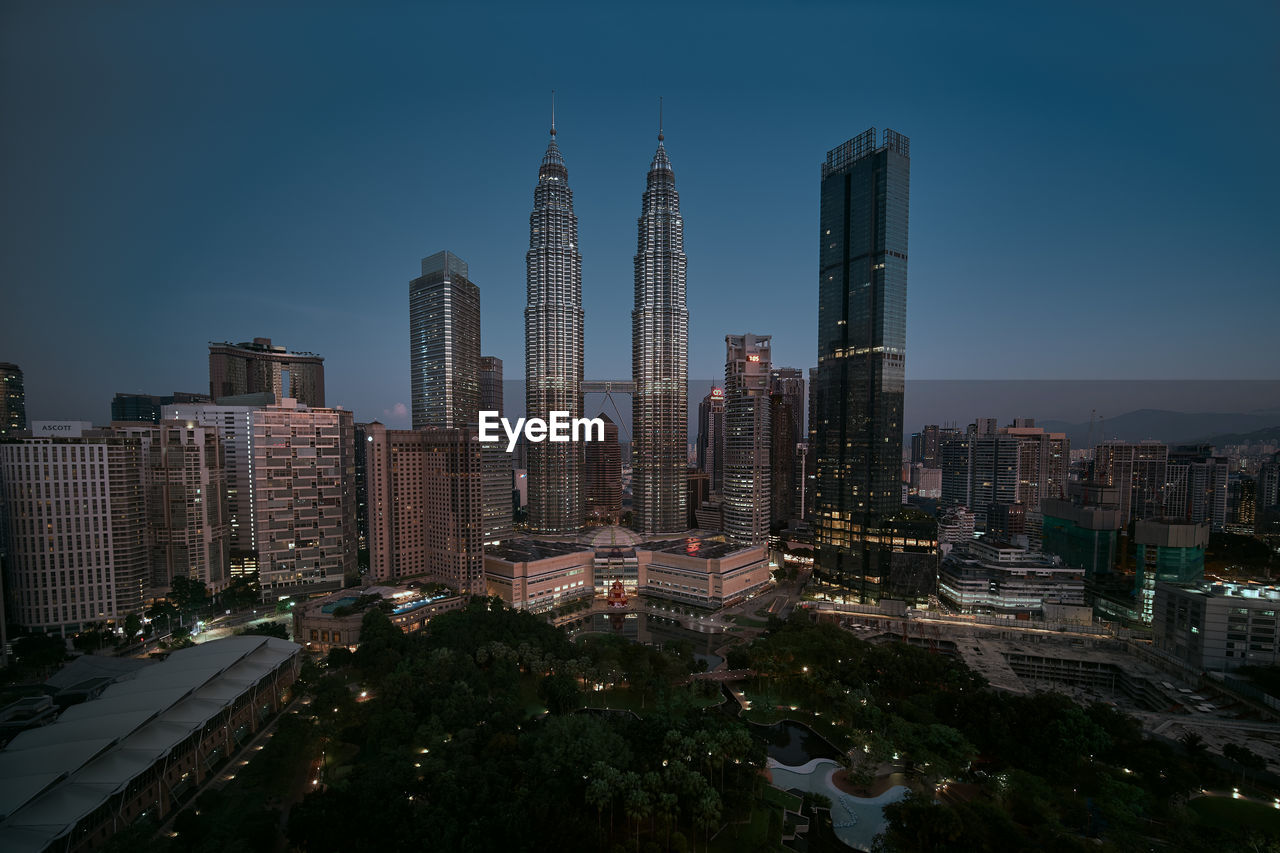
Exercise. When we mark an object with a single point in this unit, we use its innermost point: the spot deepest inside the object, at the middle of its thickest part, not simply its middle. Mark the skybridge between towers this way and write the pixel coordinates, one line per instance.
(609, 387)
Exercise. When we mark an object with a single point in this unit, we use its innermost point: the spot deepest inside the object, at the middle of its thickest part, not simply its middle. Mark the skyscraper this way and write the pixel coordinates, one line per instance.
(13, 400)
(747, 438)
(711, 437)
(603, 488)
(259, 366)
(862, 326)
(553, 345)
(660, 358)
(783, 417)
(1139, 471)
(444, 344)
(495, 461)
(789, 381)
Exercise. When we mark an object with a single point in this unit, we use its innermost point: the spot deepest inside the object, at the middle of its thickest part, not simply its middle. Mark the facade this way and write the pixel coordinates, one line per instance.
(1000, 579)
(698, 491)
(362, 494)
(426, 495)
(747, 486)
(1168, 551)
(926, 445)
(956, 526)
(701, 572)
(994, 472)
(258, 366)
(444, 344)
(494, 459)
(76, 531)
(783, 485)
(143, 746)
(233, 420)
(303, 480)
(1044, 461)
(331, 622)
(13, 400)
(660, 358)
(149, 408)
(711, 437)
(603, 487)
(1082, 535)
(1196, 486)
(1217, 627)
(862, 322)
(1139, 471)
(553, 345)
(531, 574)
(789, 382)
(184, 471)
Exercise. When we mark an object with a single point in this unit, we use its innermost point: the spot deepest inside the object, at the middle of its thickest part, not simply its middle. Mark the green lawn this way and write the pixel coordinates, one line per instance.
(754, 834)
(1226, 813)
(780, 798)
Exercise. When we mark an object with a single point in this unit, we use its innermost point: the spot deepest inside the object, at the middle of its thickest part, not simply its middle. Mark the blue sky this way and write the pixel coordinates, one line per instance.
(1093, 188)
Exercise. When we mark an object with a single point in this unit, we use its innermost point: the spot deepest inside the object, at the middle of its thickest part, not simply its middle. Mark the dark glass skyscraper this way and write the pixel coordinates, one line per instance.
(862, 324)
(444, 344)
(660, 358)
(553, 345)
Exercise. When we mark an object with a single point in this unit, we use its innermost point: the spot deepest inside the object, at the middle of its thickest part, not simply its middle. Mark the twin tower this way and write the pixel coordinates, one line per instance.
(553, 334)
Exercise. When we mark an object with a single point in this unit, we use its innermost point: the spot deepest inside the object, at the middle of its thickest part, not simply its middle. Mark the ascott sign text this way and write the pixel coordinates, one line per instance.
(561, 427)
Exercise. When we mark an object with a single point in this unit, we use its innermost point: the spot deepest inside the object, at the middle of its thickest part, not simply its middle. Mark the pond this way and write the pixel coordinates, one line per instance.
(794, 743)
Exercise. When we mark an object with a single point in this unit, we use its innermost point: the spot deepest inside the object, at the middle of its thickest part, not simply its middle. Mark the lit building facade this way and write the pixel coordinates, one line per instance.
(711, 438)
(444, 344)
(862, 321)
(603, 488)
(531, 574)
(426, 496)
(494, 458)
(1000, 579)
(660, 358)
(553, 328)
(1139, 471)
(76, 531)
(748, 441)
(1217, 627)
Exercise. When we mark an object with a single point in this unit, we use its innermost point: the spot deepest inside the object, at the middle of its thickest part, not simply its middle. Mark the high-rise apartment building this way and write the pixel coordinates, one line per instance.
(553, 330)
(494, 459)
(305, 505)
(711, 438)
(1196, 486)
(258, 366)
(426, 493)
(926, 445)
(748, 441)
(660, 358)
(862, 324)
(1044, 461)
(1139, 471)
(13, 400)
(444, 344)
(76, 531)
(603, 487)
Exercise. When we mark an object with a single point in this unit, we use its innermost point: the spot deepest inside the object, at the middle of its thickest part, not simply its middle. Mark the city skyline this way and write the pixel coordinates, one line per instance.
(270, 200)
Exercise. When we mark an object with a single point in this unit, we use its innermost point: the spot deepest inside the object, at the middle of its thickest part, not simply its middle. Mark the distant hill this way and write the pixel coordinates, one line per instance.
(1173, 427)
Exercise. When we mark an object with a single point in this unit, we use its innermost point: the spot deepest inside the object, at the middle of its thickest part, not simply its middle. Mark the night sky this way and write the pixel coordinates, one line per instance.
(1093, 188)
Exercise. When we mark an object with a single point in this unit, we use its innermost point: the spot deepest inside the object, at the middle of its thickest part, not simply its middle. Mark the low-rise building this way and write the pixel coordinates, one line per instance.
(703, 572)
(536, 574)
(334, 621)
(1219, 626)
(1001, 579)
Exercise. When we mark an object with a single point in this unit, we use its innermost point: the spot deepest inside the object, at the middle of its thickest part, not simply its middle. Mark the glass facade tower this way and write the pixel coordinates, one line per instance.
(553, 326)
(444, 344)
(660, 358)
(862, 322)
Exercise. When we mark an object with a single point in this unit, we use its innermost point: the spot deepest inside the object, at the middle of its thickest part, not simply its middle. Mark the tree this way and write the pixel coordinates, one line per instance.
(266, 629)
(188, 595)
(132, 626)
(560, 693)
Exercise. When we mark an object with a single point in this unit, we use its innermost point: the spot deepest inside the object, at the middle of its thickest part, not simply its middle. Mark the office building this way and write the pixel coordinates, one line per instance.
(495, 461)
(956, 526)
(603, 488)
(711, 437)
(258, 366)
(862, 320)
(426, 496)
(1044, 461)
(926, 445)
(783, 417)
(698, 491)
(1138, 471)
(553, 329)
(1217, 627)
(747, 486)
(1084, 529)
(789, 382)
(149, 408)
(13, 400)
(660, 357)
(444, 344)
(76, 531)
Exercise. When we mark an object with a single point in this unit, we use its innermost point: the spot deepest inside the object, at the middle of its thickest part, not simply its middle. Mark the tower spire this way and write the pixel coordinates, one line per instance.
(659, 118)
(553, 112)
